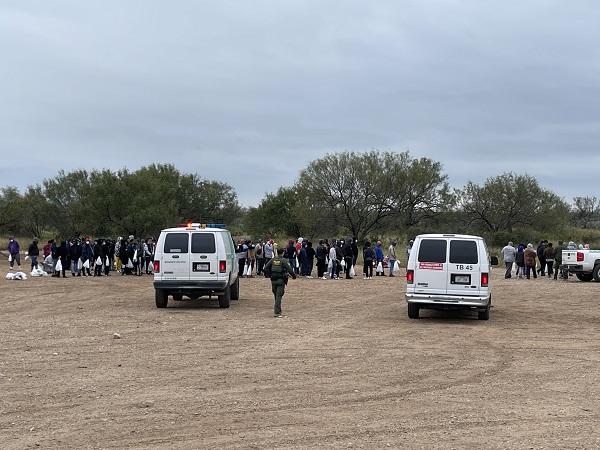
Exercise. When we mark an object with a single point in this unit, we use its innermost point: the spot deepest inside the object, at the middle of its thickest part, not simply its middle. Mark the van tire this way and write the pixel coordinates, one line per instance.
(161, 298)
(596, 273)
(235, 289)
(225, 297)
(413, 311)
(485, 314)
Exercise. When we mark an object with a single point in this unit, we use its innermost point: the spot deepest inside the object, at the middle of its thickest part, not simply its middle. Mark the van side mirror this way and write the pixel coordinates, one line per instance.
(494, 260)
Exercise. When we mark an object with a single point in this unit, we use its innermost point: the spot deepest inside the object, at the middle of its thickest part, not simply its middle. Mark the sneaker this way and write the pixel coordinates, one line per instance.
(278, 316)
(323, 277)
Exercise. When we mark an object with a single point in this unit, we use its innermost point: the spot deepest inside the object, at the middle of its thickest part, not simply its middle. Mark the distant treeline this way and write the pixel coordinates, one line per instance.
(366, 195)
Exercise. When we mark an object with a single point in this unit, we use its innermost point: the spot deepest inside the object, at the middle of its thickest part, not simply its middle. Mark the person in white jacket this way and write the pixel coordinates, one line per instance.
(392, 258)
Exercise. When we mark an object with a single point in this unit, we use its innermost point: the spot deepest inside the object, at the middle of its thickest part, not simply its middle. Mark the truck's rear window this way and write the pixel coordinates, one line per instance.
(176, 243)
(463, 252)
(432, 250)
(203, 243)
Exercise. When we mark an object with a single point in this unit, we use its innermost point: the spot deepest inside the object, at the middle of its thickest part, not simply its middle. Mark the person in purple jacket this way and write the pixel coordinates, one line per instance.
(14, 250)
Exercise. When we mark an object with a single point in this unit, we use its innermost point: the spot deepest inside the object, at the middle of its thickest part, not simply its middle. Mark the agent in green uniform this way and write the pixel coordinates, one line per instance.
(278, 269)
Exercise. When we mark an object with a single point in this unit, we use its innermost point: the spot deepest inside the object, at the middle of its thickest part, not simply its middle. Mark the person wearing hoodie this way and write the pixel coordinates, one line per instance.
(392, 257)
(75, 256)
(34, 252)
(14, 251)
(87, 254)
(62, 254)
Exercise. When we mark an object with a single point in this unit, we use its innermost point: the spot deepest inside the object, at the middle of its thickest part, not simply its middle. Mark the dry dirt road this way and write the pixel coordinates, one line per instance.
(345, 368)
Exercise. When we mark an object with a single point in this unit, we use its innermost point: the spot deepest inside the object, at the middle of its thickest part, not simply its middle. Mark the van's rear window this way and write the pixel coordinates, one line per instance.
(432, 250)
(463, 252)
(203, 243)
(176, 243)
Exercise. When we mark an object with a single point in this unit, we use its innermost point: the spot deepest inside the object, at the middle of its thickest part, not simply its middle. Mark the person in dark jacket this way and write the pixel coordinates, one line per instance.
(124, 257)
(520, 261)
(87, 255)
(62, 254)
(368, 258)
(98, 258)
(34, 252)
(348, 257)
(106, 257)
(75, 256)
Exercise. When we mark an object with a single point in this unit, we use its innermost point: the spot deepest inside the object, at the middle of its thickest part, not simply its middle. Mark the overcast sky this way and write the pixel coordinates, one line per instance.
(250, 92)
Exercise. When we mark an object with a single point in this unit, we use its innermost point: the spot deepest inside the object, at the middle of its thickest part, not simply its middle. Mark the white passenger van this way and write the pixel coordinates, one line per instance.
(195, 260)
(449, 271)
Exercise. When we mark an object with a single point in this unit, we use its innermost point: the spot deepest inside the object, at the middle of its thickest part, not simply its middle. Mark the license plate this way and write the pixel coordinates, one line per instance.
(462, 279)
(201, 267)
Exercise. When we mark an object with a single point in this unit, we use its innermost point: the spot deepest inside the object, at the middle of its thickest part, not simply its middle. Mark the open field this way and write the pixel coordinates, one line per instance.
(345, 368)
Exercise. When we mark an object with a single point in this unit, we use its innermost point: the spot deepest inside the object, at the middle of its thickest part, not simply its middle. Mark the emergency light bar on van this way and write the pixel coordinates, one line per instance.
(194, 226)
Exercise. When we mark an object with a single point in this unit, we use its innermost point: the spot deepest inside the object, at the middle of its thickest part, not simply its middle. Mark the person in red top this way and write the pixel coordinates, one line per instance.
(47, 249)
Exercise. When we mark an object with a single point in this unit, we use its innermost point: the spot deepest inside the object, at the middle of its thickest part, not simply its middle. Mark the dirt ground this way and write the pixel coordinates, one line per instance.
(345, 367)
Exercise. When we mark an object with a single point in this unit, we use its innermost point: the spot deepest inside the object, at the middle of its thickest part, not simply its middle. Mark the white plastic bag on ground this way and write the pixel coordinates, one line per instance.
(10, 276)
(20, 276)
(38, 273)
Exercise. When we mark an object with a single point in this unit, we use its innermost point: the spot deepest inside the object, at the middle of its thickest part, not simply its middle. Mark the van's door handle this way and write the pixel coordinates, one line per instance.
(175, 256)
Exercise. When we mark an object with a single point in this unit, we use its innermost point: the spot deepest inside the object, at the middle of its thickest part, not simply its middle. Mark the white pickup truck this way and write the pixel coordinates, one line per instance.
(585, 264)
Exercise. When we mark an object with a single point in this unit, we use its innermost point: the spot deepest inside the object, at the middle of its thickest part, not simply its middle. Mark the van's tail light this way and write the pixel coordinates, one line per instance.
(580, 256)
(485, 279)
(222, 266)
(156, 266)
(410, 276)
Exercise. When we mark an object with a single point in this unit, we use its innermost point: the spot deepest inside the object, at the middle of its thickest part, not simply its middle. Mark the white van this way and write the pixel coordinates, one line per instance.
(449, 271)
(195, 260)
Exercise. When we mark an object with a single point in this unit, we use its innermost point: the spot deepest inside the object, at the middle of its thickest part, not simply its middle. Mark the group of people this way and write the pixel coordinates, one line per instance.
(83, 257)
(297, 258)
(331, 257)
(526, 258)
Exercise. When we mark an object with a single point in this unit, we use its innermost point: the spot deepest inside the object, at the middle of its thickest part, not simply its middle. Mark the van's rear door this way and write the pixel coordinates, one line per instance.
(204, 257)
(464, 267)
(176, 262)
(432, 268)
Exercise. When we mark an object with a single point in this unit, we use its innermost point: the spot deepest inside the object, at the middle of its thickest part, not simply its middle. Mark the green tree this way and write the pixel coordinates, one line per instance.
(585, 212)
(275, 215)
(37, 211)
(11, 209)
(67, 196)
(363, 191)
(510, 201)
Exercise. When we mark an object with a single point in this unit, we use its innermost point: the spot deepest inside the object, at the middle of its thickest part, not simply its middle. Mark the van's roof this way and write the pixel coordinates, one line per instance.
(195, 228)
(448, 235)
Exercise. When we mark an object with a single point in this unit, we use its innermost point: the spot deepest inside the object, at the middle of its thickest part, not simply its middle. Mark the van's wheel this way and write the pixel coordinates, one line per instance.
(584, 276)
(225, 298)
(413, 311)
(485, 314)
(161, 298)
(235, 289)
(596, 273)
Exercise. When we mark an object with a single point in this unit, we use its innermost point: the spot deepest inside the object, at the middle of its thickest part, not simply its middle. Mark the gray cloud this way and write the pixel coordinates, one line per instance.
(249, 93)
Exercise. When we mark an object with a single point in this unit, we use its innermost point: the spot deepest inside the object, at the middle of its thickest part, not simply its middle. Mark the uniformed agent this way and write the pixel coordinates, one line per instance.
(279, 269)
